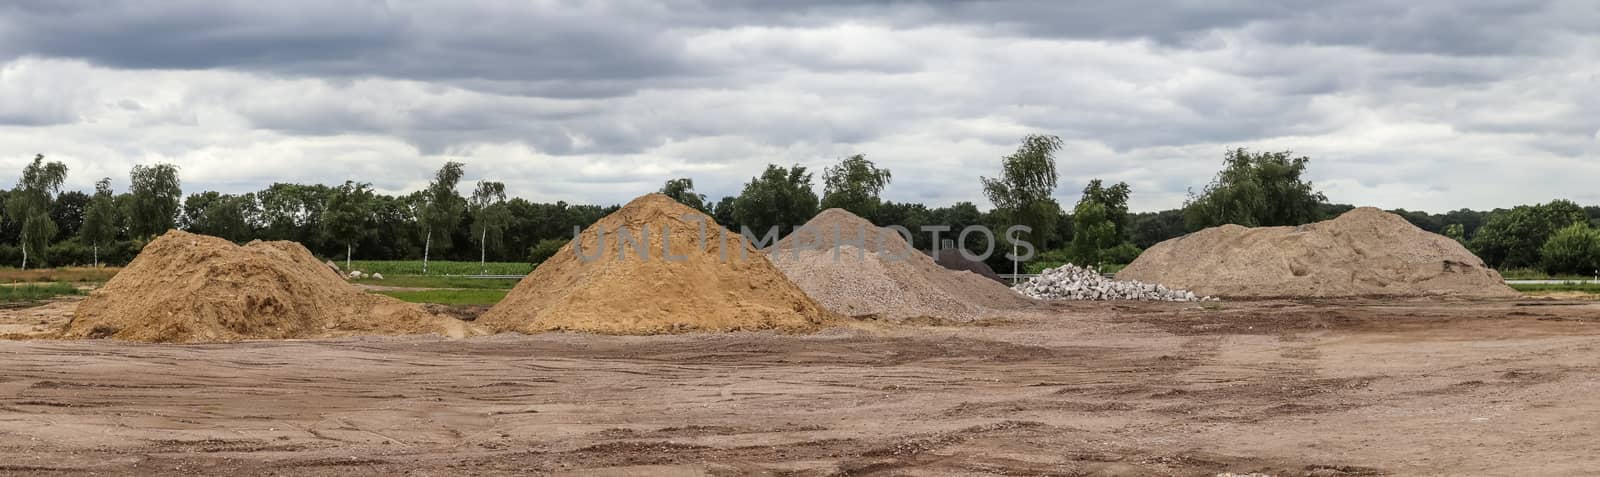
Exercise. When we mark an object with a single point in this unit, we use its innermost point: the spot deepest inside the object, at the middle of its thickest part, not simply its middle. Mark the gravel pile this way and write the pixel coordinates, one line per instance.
(1070, 282)
(887, 278)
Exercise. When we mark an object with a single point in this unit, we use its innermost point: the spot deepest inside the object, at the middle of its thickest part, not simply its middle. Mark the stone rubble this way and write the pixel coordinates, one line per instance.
(1071, 282)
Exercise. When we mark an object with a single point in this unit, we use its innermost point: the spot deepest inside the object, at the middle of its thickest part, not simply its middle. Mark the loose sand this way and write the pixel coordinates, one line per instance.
(1365, 252)
(887, 278)
(703, 287)
(185, 287)
(1331, 389)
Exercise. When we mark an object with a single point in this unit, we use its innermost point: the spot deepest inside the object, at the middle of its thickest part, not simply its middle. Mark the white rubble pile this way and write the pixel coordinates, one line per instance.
(1071, 282)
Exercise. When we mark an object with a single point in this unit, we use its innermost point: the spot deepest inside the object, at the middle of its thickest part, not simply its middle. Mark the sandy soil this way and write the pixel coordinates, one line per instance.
(1287, 388)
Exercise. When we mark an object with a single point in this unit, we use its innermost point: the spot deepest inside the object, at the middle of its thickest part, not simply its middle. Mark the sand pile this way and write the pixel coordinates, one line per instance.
(1365, 252)
(886, 278)
(696, 289)
(185, 288)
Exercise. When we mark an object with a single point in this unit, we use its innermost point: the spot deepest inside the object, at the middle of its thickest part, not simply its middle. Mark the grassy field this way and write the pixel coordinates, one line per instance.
(25, 292)
(1536, 274)
(433, 281)
(394, 268)
(449, 297)
(65, 274)
(1590, 288)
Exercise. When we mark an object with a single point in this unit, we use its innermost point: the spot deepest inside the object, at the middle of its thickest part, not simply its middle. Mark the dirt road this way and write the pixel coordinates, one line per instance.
(1328, 389)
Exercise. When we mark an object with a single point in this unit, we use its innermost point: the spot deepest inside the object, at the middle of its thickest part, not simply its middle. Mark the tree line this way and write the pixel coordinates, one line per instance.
(43, 225)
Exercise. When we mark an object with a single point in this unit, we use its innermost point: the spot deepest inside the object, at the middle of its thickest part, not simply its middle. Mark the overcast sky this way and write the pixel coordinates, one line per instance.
(1430, 105)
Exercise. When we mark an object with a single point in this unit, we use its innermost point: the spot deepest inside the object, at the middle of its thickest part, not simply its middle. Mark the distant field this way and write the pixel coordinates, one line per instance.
(1591, 287)
(1534, 274)
(36, 291)
(449, 297)
(441, 281)
(392, 268)
(66, 274)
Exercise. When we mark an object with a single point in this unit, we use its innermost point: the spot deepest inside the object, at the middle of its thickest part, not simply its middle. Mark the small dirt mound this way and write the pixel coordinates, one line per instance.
(185, 288)
(701, 286)
(952, 259)
(857, 268)
(1365, 252)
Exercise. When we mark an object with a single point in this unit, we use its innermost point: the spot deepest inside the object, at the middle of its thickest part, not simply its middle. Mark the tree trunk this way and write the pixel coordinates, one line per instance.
(483, 252)
(97, 255)
(24, 251)
(426, 243)
(347, 249)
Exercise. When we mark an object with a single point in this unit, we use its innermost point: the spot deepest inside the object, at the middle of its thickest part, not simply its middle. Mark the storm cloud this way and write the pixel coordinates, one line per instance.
(1421, 105)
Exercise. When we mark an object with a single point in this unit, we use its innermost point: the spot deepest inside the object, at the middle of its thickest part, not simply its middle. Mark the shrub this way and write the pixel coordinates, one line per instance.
(1047, 260)
(1120, 255)
(1572, 250)
(544, 250)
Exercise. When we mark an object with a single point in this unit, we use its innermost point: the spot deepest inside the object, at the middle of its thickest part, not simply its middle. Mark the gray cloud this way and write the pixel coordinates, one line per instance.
(1400, 104)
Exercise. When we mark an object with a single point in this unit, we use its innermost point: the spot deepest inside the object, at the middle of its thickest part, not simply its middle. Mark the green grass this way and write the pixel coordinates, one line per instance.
(1536, 274)
(1591, 288)
(449, 297)
(36, 291)
(432, 281)
(393, 268)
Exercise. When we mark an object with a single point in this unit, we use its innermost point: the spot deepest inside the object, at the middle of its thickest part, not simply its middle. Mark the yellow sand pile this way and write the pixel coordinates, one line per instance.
(185, 287)
(1365, 252)
(702, 286)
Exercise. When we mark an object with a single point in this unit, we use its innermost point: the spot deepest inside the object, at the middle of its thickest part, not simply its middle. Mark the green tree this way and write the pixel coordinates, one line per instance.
(1099, 220)
(1456, 232)
(682, 190)
(1021, 195)
(153, 194)
(440, 208)
(489, 218)
(779, 197)
(1256, 189)
(348, 215)
(100, 218)
(723, 213)
(854, 184)
(1092, 231)
(294, 212)
(1149, 228)
(1572, 250)
(221, 215)
(67, 210)
(1115, 201)
(29, 205)
(1513, 238)
(545, 249)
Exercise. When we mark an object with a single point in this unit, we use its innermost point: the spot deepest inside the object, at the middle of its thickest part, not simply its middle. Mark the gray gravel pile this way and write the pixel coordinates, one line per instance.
(887, 278)
(1071, 282)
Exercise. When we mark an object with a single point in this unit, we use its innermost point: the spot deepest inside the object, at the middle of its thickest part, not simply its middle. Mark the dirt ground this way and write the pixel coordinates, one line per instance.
(1283, 388)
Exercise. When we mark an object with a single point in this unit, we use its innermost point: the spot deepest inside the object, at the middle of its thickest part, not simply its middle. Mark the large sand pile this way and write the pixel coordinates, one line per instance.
(185, 288)
(1365, 252)
(887, 278)
(696, 290)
